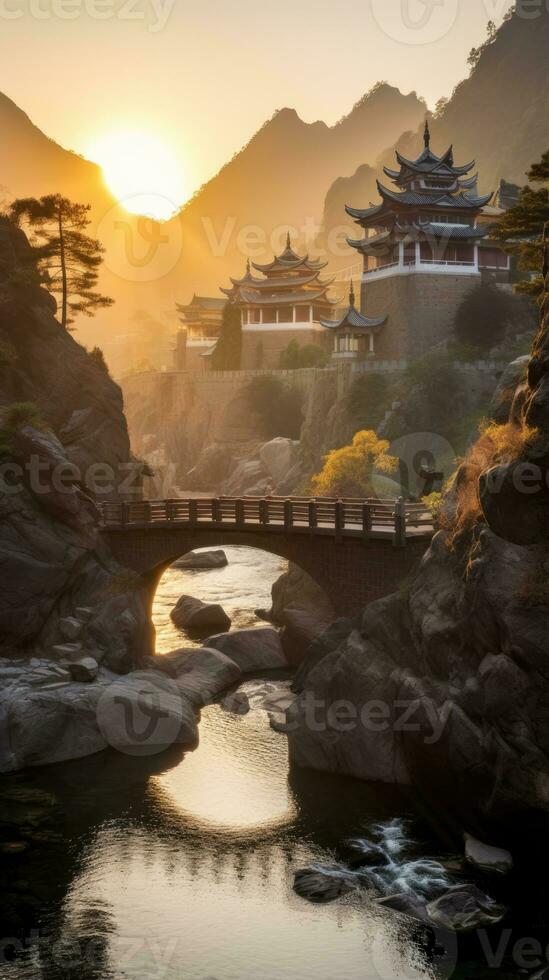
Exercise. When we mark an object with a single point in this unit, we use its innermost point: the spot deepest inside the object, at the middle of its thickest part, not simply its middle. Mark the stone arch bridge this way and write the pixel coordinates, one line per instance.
(356, 550)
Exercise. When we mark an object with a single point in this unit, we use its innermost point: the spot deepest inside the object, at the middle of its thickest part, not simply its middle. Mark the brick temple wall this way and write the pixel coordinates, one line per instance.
(421, 311)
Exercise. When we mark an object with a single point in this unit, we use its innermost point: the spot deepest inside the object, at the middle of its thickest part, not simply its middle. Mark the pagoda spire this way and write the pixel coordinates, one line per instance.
(248, 267)
(427, 135)
(352, 296)
(288, 241)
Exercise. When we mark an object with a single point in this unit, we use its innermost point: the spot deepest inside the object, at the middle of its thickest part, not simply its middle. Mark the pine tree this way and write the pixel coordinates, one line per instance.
(68, 258)
(228, 349)
(521, 229)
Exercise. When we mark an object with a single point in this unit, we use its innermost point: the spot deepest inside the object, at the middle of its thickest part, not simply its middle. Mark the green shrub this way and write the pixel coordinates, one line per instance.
(279, 407)
(294, 356)
(367, 400)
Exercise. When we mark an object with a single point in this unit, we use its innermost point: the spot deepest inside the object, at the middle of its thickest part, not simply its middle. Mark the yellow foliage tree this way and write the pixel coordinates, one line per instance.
(348, 472)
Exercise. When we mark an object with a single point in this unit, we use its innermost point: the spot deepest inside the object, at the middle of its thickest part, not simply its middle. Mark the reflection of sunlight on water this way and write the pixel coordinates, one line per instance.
(238, 777)
(242, 586)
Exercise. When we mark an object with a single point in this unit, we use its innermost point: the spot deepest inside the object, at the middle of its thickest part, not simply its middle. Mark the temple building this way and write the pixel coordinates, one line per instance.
(353, 333)
(287, 301)
(424, 249)
(199, 331)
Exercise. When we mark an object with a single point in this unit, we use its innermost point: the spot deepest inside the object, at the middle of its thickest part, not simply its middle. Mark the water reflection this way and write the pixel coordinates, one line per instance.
(182, 867)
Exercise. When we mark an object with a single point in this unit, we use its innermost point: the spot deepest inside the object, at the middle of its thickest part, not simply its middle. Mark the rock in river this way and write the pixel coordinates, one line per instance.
(197, 560)
(193, 614)
(323, 883)
(464, 908)
(252, 650)
(487, 858)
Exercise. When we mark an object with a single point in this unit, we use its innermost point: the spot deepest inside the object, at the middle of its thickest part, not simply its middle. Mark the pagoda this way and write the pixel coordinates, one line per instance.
(423, 248)
(199, 331)
(354, 333)
(281, 301)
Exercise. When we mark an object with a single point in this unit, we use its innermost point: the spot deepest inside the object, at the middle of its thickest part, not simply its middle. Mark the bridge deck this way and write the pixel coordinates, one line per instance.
(294, 515)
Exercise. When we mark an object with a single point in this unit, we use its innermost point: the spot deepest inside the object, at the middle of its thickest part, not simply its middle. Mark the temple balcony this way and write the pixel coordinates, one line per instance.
(419, 258)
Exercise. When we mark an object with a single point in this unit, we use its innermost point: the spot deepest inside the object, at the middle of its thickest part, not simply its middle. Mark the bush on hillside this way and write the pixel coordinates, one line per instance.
(484, 316)
(279, 407)
(294, 356)
(348, 472)
(367, 400)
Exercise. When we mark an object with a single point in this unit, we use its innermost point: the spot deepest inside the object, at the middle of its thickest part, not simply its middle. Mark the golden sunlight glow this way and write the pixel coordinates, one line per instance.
(141, 172)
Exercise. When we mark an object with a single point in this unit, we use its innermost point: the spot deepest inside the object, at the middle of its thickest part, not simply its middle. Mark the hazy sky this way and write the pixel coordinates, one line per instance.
(203, 75)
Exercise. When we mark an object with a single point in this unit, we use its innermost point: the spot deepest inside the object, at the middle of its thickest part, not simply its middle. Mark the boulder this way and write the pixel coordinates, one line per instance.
(193, 614)
(408, 905)
(464, 908)
(197, 560)
(145, 713)
(201, 675)
(248, 474)
(70, 628)
(323, 883)
(237, 703)
(487, 858)
(84, 670)
(278, 457)
(252, 650)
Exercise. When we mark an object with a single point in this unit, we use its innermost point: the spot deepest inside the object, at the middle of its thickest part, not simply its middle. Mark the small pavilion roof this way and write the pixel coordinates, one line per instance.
(354, 319)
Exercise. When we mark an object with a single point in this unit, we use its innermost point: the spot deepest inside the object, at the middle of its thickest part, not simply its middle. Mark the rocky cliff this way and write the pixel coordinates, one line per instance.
(445, 685)
(66, 607)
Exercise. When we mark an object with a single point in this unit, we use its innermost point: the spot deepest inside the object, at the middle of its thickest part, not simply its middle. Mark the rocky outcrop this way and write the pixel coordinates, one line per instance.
(302, 609)
(445, 684)
(70, 616)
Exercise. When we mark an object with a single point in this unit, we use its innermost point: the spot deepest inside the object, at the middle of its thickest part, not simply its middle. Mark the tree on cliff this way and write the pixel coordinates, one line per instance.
(227, 351)
(521, 228)
(348, 472)
(482, 318)
(68, 258)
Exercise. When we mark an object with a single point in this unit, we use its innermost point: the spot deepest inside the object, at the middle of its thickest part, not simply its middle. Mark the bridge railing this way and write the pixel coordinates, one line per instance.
(323, 515)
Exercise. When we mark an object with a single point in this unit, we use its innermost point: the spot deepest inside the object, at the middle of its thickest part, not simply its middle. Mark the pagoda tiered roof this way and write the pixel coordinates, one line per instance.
(355, 320)
(419, 231)
(289, 261)
(289, 279)
(430, 183)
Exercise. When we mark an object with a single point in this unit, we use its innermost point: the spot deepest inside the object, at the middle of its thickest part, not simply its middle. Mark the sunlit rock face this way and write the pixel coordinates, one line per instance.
(445, 684)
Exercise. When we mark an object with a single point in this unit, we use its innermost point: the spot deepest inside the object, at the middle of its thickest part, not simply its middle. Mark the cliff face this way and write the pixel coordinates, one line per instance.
(445, 685)
(64, 441)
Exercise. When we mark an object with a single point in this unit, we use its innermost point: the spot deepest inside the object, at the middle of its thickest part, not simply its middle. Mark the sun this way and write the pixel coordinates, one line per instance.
(141, 172)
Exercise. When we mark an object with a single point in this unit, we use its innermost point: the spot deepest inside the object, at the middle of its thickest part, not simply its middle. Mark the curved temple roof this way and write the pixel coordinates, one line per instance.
(354, 319)
(289, 278)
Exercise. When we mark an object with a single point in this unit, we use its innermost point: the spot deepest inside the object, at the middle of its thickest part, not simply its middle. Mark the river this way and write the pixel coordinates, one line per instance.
(181, 866)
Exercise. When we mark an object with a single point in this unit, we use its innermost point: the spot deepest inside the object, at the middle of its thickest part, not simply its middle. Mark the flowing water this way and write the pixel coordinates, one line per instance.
(243, 586)
(181, 866)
